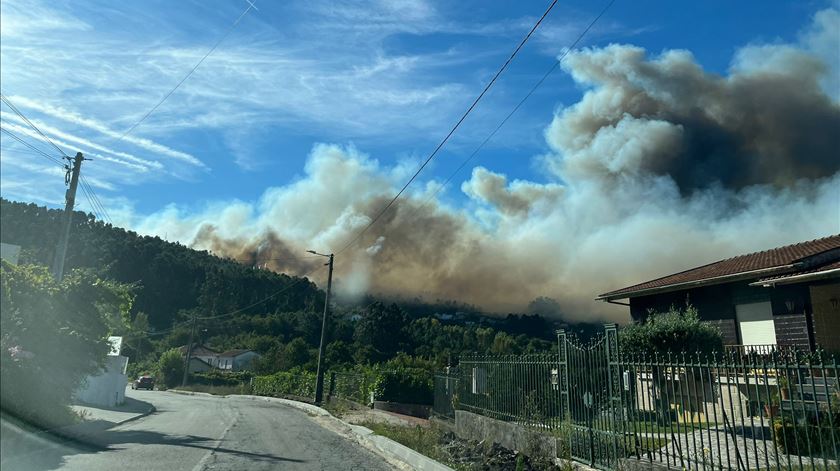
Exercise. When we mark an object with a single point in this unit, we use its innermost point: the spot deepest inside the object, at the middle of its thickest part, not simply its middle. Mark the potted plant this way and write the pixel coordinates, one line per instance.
(783, 388)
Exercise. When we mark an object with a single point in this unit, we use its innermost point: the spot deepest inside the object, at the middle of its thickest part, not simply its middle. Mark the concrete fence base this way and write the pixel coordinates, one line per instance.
(414, 410)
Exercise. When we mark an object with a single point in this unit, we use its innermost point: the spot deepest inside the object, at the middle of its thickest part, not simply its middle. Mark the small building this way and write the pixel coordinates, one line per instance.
(786, 296)
(197, 365)
(107, 387)
(9, 252)
(236, 360)
(201, 352)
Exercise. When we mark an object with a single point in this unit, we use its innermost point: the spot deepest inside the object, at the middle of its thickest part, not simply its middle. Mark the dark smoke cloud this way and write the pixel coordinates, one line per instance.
(668, 117)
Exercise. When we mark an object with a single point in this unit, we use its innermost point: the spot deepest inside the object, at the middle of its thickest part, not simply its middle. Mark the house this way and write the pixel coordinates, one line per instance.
(197, 365)
(786, 296)
(106, 387)
(201, 352)
(9, 252)
(236, 360)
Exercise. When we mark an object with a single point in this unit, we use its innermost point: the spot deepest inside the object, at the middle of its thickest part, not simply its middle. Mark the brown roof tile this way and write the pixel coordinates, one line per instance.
(779, 258)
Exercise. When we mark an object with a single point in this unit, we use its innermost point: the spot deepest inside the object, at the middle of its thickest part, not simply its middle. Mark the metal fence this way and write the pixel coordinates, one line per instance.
(445, 390)
(356, 387)
(746, 409)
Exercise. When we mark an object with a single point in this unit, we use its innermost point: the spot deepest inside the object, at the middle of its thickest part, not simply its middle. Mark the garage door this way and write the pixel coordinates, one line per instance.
(755, 323)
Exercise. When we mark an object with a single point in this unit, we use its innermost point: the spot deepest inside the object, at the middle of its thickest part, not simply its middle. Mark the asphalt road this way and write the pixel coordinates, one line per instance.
(199, 433)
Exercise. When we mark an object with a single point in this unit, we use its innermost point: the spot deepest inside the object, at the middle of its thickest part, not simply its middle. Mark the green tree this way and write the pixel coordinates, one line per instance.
(171, 368)
(338, 355)
(382, 329)
(52, 335)
(296, 354)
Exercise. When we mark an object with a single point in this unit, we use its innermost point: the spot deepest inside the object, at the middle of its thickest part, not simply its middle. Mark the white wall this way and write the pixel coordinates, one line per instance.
(106, 389)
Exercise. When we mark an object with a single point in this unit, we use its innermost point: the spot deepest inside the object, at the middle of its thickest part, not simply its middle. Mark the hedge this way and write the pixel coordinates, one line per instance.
(220, 378)
(285, 383)
(363, 383)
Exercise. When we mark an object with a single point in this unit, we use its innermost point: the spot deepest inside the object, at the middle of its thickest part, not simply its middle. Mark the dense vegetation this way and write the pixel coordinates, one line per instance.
(171, 282)
(671, 332)
(52, 335)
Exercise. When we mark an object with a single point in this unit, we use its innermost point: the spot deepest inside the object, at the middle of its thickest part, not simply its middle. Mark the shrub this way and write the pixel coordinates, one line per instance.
(407, 385)
(674, 331)
(171, 368)
(221, 378)
(285, 383)
(52, 335)
(813, 435)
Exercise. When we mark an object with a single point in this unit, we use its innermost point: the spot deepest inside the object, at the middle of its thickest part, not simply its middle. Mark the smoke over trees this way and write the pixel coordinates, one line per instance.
(660, 166)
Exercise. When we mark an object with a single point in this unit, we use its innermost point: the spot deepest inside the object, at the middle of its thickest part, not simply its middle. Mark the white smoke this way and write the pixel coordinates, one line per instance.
(660, 167)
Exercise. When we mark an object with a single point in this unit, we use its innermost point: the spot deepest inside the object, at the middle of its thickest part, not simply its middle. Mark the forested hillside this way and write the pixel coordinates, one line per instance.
(172, 282)
(168, 277)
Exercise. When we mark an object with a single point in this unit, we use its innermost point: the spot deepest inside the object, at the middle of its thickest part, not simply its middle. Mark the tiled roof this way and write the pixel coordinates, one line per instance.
(198, 350)
(818, 270)
(779, 258)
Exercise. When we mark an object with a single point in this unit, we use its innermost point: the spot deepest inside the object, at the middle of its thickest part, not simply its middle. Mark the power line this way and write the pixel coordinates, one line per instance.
(165, 97)
(93, 206)
(515, 108)
(35, 149)
(17, 112)
(272, 296)
(95, 198)
(454, 128)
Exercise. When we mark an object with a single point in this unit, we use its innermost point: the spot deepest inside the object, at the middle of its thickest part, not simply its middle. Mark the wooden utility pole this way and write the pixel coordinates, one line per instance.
(189, 353)
(319, 379)
(69, 201)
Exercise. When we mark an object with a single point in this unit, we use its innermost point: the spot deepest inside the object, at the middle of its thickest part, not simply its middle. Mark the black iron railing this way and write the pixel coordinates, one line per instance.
(750, 408)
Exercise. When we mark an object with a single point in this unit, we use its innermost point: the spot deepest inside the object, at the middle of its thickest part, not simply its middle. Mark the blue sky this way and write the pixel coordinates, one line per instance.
(387, 77)
(655, 147)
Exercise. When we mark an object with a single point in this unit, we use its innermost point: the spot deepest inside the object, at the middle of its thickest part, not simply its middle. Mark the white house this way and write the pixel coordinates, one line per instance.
(197, 365)
(236, 360)
(106, 388)
(10, 253)
(201, 352)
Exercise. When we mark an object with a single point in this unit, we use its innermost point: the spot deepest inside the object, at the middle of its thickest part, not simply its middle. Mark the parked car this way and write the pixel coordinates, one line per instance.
(144, 382)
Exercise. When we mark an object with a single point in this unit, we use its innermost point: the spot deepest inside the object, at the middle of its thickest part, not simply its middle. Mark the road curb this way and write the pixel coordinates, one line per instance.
(393, 452)
(192, 393)
(151, 410)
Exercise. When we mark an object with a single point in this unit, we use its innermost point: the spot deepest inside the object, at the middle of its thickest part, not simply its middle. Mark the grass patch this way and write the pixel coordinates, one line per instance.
(424, 440)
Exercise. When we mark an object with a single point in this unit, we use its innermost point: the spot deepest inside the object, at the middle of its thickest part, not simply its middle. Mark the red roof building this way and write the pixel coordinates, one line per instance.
(783, 296)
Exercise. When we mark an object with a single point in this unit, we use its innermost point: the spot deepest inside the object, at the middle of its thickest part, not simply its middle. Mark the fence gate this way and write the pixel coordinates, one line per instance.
(590, 398)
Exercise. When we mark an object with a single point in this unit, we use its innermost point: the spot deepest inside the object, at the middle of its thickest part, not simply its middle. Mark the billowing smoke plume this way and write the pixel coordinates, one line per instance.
(661, 166)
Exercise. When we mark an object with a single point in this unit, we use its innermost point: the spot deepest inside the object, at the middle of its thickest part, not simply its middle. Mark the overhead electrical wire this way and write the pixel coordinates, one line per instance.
(94, 209)
(168, 94)
(35, 149)
(452, 130)
(95, 204)
(271, 296)
(96, 199)
(515, 109)
(21, 115)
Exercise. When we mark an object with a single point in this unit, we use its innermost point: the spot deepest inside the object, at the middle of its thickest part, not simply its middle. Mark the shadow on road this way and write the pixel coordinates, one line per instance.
(130, 405)
(109, 439)
(27, 448)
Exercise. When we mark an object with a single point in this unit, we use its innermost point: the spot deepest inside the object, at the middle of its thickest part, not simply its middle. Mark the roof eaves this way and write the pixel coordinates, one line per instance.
(613, 295)
(794, 278)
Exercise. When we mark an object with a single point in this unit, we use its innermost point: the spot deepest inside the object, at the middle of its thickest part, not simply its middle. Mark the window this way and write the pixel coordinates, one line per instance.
(755, 323)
